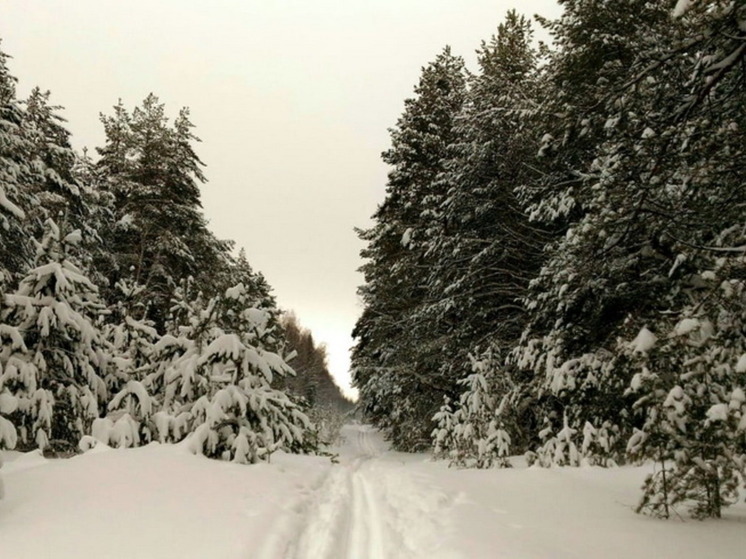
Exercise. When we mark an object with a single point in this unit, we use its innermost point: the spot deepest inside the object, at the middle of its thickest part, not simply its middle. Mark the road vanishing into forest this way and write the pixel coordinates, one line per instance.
(369, 506)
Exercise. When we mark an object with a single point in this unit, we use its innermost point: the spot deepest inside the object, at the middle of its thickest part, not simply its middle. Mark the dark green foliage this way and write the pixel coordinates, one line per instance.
(586, 223)
(149, 168)
(399, 375)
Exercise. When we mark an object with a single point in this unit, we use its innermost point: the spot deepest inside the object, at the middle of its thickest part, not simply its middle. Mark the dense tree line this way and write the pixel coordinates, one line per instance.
(123, 319)
(559, 265)
(312, 381)
(328, 408)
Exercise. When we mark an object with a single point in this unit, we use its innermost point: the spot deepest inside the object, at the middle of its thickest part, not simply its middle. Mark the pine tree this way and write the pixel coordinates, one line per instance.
(150, 169)
(651, 219)
(484, 250)
(396, 372)
(605, 263)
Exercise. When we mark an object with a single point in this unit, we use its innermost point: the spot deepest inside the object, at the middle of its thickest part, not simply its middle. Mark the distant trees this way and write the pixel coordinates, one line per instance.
(587, 264)
(328, 408)
(312, 380)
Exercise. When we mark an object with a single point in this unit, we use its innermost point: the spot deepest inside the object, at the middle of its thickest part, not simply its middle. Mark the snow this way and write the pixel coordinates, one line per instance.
(8, 436)
(8, 403)
(158, 501)
(228, 346)
(682, 6)
(741, 365)
(9, 206)
(137, 389)
(235, 292)
(718, 412)
(686, 326)
(74, 238)
(643, 342)
(161, 501)
(137, 325)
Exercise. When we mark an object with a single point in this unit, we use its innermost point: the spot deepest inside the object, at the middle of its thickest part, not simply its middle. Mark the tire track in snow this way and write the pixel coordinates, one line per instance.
(354, 515)
(345, 521)
(371, 523)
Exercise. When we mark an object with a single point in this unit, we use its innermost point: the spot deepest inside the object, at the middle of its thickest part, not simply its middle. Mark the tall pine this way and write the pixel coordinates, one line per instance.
(396, 372)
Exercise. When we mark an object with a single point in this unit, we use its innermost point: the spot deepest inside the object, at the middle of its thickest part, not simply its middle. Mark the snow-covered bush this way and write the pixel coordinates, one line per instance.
(471, 432)
(690, 396)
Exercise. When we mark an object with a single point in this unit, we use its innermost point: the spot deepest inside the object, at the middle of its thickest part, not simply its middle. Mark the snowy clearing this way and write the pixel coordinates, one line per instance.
(160, 501)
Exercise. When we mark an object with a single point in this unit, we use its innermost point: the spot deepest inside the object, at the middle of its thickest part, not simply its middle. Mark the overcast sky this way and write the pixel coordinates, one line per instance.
(291, 98)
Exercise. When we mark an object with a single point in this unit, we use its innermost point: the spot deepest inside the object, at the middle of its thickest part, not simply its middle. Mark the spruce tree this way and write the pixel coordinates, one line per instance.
(56, 308)
(213, 380)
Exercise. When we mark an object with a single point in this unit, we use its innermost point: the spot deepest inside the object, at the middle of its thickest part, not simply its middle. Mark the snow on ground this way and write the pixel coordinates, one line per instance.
(160, 501)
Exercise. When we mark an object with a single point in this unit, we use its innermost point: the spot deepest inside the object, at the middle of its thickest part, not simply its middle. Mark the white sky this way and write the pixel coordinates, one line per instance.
(291, 98)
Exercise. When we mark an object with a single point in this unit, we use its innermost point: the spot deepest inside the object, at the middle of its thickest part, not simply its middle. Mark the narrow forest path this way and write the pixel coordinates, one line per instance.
(369, 506)
(160, 501)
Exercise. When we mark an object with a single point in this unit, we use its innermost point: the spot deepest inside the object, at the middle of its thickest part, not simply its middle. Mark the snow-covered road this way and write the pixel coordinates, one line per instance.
(162, 502)
(368, 507)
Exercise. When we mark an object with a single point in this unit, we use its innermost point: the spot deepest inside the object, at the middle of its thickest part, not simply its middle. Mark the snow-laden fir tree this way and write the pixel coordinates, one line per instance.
(55, 369)
(17, 377)
(11, 343)
(131, 339)
(14, 248)
(690, 392)
(213, 381)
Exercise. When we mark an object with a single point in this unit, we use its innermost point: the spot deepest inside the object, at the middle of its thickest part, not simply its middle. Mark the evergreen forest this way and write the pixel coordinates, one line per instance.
(123, 319)
(559, 266)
